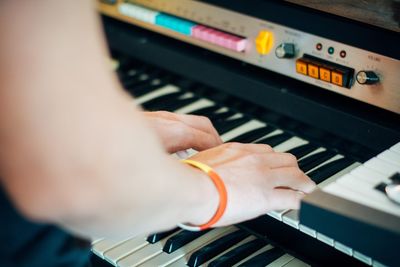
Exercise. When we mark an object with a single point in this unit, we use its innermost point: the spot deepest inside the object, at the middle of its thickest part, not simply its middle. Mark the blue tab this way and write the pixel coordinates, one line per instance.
(174, 23)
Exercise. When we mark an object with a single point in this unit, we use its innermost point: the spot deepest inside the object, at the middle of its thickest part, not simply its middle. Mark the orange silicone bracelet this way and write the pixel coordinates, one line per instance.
(223, 196)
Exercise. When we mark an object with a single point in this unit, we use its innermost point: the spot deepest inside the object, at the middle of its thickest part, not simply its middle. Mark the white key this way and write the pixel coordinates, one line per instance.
(326, 162)
(339, 174)
(370, 176)
(199, 104)
(382, 166)
(281, 261)
(296, 263)
(147, 252)
(396, 148)
(390, 156)
(99, 248)
(263, 249)
(364, 198)
(167, 89)
(246, 127)
(289, 144)
(292, 218)
(129, 246)
(320, 149)
(165, 259)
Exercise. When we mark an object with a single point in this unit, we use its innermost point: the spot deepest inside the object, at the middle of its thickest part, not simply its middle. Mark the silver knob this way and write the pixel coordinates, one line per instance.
(367, 77)
(285, 50)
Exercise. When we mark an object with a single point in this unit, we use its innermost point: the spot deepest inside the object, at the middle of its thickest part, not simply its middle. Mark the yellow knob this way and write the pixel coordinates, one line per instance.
(264, 42)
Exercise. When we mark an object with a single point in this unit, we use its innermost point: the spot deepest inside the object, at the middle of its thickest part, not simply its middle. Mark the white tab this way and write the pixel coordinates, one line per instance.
(343, 248)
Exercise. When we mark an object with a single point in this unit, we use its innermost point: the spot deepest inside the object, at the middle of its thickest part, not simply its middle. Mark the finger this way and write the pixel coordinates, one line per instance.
(200, 123)
(282, 199)
(187, 137)
(291, 177)
(252, 148)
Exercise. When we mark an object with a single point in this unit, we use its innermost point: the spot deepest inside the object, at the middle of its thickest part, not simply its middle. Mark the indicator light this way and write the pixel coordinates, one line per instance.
(318, 46)
(342, 54)
(331, 50)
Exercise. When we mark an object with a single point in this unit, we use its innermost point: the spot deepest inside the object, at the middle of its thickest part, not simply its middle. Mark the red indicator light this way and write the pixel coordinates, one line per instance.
(342, 54)
(318, 46)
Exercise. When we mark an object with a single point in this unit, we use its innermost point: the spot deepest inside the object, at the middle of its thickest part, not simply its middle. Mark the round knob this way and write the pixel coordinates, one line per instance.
(367, 77)
(285, 50)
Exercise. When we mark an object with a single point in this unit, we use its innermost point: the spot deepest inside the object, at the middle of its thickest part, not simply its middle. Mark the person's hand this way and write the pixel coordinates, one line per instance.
(257, 180)
(179, 132)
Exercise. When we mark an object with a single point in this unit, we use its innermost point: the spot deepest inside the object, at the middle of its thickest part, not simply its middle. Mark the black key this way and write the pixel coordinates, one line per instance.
(216, 247)
(180, 239)
(180, 103)
(395, 178)
(314, 160)
(224, 115)
(145, 88)
(208, 111)
(227, 125)
(381, 187)
(324, 172)
(264, 258)
(237, 254)
(156, 103)
(253, 135)
(302, 150)
(154, 238)
(275, 139)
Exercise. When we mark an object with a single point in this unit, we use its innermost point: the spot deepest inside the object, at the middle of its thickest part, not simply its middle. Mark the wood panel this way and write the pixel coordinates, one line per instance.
(381, 13)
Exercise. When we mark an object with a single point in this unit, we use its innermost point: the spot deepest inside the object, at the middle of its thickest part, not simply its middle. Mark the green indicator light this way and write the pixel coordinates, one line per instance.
(331, 50)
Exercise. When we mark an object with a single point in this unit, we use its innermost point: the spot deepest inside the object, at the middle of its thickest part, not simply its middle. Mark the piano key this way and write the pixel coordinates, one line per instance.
(239, 253)
(362, 197)
(199, 104)
(167, 89)
(179, 240)
(292, 218)
(296, 263)
(326, 239)
(206, 111)
(227, 125)
(381, 166)
(104, 245)
(216, 247)
(291, 144)
(158, 236)
(307, 230)
(243, 128)
(266, 247)
(275, 139)
(145, 88)
(125, 248)
(253, 135)
(396, 148)
(264, 258)
(370, 176)
(164, 259)
(343, 248)
(223, 114)
(327, 170)
(282, 261)
(302, 150)
(361, 257)
(310, 162)
(140, 256)
(390, 157)
(160, 102)
(339, 174)
(174, 105)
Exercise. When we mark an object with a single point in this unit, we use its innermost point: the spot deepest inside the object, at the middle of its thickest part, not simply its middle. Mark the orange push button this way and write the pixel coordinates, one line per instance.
(313, 71)
(337, 78)
(325, 74)
(264, 42)
(301, 67)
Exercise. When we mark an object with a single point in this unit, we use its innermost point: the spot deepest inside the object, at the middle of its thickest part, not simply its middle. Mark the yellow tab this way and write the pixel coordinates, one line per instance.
(337, 78)
(313, 71)
(264, 42)
(301, 67)
(325, 74)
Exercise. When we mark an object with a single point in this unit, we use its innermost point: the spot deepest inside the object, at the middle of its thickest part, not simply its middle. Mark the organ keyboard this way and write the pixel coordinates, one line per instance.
(338, 142)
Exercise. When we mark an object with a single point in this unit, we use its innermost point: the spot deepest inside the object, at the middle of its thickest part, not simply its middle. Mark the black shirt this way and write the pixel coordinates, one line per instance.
(25, 243)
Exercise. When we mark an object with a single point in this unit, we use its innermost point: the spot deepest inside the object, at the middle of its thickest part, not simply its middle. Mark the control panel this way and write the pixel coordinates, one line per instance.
(325, 63)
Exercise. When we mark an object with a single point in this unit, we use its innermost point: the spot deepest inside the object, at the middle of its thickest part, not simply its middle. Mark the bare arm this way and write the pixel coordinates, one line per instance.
(75, 151)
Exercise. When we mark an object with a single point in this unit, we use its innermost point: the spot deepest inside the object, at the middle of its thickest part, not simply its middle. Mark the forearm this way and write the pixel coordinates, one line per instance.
(74, 148)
